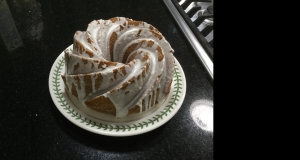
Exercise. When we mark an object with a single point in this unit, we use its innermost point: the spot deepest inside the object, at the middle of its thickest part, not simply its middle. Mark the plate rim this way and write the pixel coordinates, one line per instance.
(105, 128)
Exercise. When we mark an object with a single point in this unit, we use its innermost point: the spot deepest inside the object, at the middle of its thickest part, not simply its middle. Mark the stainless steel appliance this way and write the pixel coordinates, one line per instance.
(195, 19)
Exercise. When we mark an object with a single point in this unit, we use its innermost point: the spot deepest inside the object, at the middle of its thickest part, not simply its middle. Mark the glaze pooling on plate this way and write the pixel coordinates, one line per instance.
(145, 124)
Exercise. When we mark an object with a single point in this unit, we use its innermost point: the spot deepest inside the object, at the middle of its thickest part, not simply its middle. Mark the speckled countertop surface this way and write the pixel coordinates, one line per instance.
(31, 127)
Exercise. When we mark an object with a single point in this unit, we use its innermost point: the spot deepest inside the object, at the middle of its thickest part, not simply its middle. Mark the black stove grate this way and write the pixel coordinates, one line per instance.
(200, 35)
(197, 38)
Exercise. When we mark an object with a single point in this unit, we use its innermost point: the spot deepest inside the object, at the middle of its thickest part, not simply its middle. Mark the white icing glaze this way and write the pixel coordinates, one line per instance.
(147, 69)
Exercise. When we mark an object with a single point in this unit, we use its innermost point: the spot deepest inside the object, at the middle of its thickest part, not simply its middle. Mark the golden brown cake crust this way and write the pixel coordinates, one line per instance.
(101, 104)
(135, 109)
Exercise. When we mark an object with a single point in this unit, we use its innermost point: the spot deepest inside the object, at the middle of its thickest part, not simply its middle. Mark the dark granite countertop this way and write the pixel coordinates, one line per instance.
(31, 126)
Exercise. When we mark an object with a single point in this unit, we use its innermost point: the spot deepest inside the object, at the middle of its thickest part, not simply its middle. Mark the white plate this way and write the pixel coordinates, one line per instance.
(159, 117)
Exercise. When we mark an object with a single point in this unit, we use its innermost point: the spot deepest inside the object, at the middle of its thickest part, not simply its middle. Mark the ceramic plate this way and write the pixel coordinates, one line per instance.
(152, 121)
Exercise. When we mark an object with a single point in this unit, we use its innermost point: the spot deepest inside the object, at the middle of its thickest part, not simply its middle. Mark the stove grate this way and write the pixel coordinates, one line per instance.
(195, 19)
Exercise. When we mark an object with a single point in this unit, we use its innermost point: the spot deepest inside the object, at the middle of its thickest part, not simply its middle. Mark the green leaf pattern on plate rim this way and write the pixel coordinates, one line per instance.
(168, 108)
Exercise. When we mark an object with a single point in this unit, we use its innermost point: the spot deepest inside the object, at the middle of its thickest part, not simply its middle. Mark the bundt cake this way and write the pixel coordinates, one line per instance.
(119, 67)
